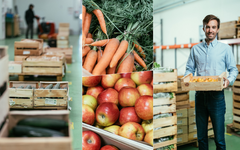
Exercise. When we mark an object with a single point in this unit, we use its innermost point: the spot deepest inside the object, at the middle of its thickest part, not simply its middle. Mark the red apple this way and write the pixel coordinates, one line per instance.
(152, 82)
(113, 128)
(149, 137)
(107, 114)
(108, 95)
(142, 77)
(126, 75)
(109, 147)
(147, 125)
(91, 81)
(128, 114)
(123, 82)
(88, 115)
(82, 90)
(127, 96)
(94, 91)
(144, 107)
(108, 81)
(132, 130)
(145, 89)
(90, 101)
(90, 140)
(98, 126)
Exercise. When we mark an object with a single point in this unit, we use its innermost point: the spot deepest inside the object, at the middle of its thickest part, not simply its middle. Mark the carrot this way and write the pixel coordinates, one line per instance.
(98, 13)
(90, 60)
(140, 50)
(109, 51)
(134, 68)
(100, 53)
(139, 60)
(83, 39)
(100, 43)
(119, 53)
(83, 14)
(111, 70)
(87, 23)
(127, 64)
(83, 59)
(89, 35)
(89, 41)
(85, 50)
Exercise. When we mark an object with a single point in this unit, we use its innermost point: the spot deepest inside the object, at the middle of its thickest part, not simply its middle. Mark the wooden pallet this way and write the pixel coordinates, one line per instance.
(21, 76)
(28, 48)
(233, 130)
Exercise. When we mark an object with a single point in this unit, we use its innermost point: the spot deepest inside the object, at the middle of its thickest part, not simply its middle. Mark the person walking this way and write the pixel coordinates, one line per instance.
(29, 16)
(211, 58)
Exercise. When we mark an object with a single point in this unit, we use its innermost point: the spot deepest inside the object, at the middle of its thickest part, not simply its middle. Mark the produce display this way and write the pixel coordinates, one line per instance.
(43, 58)
(117, 36)
(203, 80)
(120, 103)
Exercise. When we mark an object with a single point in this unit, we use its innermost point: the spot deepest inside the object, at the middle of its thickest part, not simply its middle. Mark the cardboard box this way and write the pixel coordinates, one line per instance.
(182, 121)
(182, 129)
(182, 113)
(191, 112)
(183, 138)
(192, 120)
(192, 128)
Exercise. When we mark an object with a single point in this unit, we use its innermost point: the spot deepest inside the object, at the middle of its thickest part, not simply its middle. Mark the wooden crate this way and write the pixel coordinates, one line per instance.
(51, 98)
(182, 138)
(15, 67)
(36, 143)
(202, 86)
(165, 77)
(21, 98)
(191, 112)
(28, 48)
(180, 91)
(182, 129)
(179, 81)
(182, 103)
(236, 111)
(182, 97)
(63, 36)
(67, 51)
(227, 30)
(19, 58)
(233, 130)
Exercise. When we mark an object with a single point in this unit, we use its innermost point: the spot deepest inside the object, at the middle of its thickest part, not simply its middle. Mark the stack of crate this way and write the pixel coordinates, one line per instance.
(63, 35)
(238, 27)
(236, 101)
(227, 30)
(182, 97)
(165, 127)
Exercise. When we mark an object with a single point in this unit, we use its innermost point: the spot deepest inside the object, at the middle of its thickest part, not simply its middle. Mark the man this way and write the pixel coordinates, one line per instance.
(29, 16)
(211, 58)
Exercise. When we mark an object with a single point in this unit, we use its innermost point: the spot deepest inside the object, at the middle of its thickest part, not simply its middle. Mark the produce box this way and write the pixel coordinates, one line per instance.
(191, 112)
(192, 120)
(19, 58)
(192, 128)
(187, 85)
(182, 121)
(51, 98)
(165, 77)
(108, 138)
(182, 129)
(36, 143)
(15, 67)
(28, 47)
(67, 51)
(182, 97)
(192, 136)
(182, 138)
(182, 113)
(21, 98)
(227, 30)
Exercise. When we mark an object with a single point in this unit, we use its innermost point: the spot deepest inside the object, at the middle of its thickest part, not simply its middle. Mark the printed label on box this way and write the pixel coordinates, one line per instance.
(10, 67)
(179, 131)
(26, 52)
(195, 136)
(179, 115)
(194, 113)
(179, 122)
(179, 139)
(51, 101)
(11, 102)
(195, 127)
(194, 120)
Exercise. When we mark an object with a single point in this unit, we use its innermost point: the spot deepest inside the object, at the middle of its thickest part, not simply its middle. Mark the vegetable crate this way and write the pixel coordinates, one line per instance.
(202, 86)
(25, 48)
(182, 98)
(67, 51)
(108, 138)
(19, 58)
(51, 98)
(15, 67)
(36, 143)
(165, 77)
(21, 98)
(167, 126)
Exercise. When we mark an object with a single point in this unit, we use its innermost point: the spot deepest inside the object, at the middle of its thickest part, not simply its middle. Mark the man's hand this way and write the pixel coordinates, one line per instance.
(226, 83)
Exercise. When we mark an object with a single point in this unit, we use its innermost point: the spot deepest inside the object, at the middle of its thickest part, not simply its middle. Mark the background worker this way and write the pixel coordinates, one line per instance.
(29, 16)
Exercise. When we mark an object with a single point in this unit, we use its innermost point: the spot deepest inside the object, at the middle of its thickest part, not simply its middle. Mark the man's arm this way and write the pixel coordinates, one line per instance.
(231, 66)
(191, 65)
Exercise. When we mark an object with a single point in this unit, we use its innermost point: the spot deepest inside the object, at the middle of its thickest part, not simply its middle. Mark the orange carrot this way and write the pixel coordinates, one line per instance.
(140, 50)
(83, 14)
(100, 53)
(139, 60)
(134, 68)
(85, 50)
(127, 64)
(100, 43)
(89, 41)
(83, 59)
(119, 53)
(109, 51)
(111, 70)
(90, 60)
(83, 39)
(87, 23)
(98, 13)
(89, 35)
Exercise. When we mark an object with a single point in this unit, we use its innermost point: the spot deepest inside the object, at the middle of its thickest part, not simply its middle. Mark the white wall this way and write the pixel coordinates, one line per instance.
(183, 23)
(57, 11)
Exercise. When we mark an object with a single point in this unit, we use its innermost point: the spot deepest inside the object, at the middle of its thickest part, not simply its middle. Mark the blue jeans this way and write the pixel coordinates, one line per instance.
(210, 103)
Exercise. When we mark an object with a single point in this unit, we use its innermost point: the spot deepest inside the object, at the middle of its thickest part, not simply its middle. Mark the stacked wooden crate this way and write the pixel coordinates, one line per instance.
(63, 35)
(238, 27)
(67, 51)
(227, 30)
(236, 101)
(182, 125)
(165, 127)
(182, 97)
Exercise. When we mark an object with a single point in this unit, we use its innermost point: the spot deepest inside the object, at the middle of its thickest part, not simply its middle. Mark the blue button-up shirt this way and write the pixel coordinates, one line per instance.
(212, 60)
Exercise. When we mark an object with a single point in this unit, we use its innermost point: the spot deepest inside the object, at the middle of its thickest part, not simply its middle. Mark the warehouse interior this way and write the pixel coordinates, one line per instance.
(53, 13)
(179, 22)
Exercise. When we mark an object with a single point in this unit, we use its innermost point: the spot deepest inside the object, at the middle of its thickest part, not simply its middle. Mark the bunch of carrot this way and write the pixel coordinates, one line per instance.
(117, 57)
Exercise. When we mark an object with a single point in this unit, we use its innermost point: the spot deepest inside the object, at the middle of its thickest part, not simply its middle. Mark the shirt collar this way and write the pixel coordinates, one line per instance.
(213, 43)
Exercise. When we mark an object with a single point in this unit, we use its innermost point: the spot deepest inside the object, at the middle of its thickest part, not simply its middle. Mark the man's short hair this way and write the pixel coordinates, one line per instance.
(31, 5)
(209, 18)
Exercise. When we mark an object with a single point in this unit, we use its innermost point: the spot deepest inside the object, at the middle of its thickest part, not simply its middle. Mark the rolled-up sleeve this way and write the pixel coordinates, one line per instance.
(190, 67)
(231, 66)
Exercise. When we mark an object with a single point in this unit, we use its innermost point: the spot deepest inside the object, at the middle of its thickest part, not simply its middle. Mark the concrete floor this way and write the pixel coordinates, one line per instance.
(73, 75)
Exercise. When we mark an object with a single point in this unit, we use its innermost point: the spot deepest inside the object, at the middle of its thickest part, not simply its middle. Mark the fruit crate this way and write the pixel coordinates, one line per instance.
(165, 77)
(116, 140)
(36, 143)
(21, 98)
(67, 51)
(28, 48)
(19, 58)
(236, 110)
(167, 125)
(202, 86)
(15, 67)
(51, 98)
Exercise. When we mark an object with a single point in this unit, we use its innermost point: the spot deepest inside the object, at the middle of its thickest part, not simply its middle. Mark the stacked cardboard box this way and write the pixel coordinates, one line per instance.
(182, 125)
(63, 35)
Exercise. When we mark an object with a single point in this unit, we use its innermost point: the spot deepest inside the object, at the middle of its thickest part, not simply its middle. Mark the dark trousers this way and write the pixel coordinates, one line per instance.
(210, 103)
(29, 27)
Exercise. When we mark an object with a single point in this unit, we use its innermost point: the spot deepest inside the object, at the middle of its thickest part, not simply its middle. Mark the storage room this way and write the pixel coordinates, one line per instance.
(196, 46)
(40, 79)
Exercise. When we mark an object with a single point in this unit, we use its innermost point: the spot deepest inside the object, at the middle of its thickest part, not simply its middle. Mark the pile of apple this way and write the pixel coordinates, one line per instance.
(120, 103)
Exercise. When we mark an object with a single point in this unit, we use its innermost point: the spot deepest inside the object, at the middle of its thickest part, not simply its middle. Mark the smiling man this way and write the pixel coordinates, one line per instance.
(211, 58)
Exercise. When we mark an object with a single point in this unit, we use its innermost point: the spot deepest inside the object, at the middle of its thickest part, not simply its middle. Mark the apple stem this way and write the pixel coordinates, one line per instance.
(89, 141)
(103, 117)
